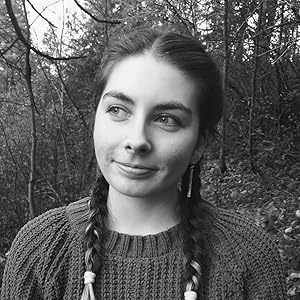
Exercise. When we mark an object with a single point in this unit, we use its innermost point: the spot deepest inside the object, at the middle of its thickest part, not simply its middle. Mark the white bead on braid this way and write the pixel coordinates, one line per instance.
(190, 295)
(89, 277)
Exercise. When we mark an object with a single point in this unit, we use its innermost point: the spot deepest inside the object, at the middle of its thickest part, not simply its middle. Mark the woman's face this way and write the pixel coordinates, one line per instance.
(146, 127)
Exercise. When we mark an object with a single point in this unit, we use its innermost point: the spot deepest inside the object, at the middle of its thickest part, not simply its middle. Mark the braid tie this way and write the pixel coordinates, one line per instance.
(89, 277)
(95, 235)
(190, 295)
(88, 292)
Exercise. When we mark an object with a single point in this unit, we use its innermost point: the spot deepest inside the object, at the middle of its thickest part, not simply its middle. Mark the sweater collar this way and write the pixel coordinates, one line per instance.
(122, 244)
(154, 245)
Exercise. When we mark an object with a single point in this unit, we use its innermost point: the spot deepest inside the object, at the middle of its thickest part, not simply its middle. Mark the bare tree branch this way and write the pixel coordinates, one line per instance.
(71, 99)
(51, 24)
(13, 102)
(93, 17)
(27, 43)
(44, 9)
(9, 47)
(11, 64)
(6, 37)
(246, 19)
(186, 22)
(294, 22)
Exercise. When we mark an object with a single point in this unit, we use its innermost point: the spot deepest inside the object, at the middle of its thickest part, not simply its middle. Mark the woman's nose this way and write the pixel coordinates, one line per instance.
(138, 141)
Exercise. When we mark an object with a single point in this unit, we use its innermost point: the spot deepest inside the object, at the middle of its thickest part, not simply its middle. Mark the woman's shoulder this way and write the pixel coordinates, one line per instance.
(42, 247)
(78, 214)
(241, 232)
(41, 227)
(231, 224)
(238, 239)
(57, 224)
(54, 221)
(243, 249)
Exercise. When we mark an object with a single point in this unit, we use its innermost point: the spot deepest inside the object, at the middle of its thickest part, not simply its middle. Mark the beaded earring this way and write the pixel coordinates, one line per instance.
(190, 184)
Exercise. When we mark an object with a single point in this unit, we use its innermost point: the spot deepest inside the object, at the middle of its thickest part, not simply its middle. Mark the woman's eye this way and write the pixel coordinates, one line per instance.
(114, 110)
(117, 112)
(167, 121)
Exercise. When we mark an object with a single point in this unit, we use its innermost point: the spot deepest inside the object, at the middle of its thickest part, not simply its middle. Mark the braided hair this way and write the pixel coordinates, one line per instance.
(95, 232)
(187, 55)
(196, 219)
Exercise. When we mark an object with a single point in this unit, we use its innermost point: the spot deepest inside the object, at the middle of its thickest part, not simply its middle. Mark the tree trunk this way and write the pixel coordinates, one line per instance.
(279, 79)
(33, 207)
(32, 178)
(254, 87)
(106, 25)
(222, 163)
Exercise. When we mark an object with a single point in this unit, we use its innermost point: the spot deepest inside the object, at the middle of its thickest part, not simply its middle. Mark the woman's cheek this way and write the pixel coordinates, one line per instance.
(181, 148)
(178, 159)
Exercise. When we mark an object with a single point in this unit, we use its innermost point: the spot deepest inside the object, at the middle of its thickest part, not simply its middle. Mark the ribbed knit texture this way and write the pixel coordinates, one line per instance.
(47, 261)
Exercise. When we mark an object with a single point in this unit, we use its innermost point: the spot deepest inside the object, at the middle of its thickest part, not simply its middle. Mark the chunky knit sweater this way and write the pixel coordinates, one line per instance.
(46, 261)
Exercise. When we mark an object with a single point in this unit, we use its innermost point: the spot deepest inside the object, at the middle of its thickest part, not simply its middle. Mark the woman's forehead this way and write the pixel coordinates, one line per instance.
(144, 77)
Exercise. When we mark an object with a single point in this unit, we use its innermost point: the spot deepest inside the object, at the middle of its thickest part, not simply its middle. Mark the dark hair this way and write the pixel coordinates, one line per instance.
(187, 55)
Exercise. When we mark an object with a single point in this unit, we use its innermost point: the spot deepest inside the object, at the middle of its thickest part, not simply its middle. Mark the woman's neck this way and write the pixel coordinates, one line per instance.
(142, 215)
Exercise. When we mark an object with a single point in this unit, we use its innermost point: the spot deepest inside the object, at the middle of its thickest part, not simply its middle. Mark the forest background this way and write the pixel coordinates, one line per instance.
(47, 106)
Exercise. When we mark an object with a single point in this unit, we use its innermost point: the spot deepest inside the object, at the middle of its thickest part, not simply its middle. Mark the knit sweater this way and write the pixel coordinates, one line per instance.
(46, 261)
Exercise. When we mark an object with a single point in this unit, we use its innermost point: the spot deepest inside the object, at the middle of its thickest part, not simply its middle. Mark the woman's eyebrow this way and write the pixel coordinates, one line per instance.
(173, 106)
(119, 95)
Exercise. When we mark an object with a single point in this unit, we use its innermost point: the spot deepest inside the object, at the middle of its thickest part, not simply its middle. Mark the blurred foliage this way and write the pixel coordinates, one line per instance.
(270, 197)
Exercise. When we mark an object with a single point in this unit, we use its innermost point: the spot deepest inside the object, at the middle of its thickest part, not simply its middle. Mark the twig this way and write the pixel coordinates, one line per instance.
(93, 17)
(279, 57)
(186, 22)
(70, 97)
(246, 20)
(9, 47)
(45, 8)
(40, 14)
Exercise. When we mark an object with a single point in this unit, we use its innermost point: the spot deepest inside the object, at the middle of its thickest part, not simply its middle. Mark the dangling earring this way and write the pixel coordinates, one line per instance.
(190, 187)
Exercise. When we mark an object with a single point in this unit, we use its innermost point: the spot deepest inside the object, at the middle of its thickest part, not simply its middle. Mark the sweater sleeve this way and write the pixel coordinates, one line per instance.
(264, 278)
(263, 274)
(40, 243)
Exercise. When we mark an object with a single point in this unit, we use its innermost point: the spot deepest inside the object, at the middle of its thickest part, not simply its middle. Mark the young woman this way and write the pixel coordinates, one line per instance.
(145, 232)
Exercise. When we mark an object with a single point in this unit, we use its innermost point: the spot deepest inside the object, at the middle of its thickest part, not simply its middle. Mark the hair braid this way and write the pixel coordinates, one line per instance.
(95, 232)
(195, 226)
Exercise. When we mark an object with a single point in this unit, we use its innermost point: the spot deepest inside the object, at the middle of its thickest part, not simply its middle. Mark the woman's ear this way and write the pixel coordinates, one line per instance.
(200, 147)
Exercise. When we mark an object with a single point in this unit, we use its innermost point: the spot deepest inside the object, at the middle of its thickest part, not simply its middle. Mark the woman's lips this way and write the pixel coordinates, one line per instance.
(134, 170)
